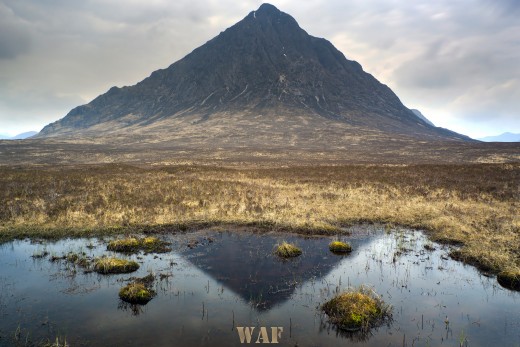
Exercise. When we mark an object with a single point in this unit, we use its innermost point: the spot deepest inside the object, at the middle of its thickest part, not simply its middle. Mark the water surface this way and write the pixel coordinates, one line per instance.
(229, 279)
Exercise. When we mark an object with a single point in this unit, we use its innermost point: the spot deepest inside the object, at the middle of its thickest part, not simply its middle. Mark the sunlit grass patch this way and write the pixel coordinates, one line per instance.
(357, 309)
(509, 279)
(340, 247)
(287, 250)
(150, 241)
(129, 244)
(114, 265)
(153, 244)
(136, 293)
(133, 244)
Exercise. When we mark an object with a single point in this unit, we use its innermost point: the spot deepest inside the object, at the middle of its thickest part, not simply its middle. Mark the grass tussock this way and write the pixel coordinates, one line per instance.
(509, 279)
(136, 293)
(127, 245)
(287, 250)
(357, 309)
(340, 247)
(473, 205)
(152, 244)
(107, 265)
(132, 244)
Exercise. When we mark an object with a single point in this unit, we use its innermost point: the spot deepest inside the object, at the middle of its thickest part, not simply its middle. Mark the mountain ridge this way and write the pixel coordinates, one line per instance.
(421, 116)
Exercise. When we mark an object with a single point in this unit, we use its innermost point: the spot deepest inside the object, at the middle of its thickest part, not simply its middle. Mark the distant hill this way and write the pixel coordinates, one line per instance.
(505, 137)
(421, 116)
(24, 135)
(262, 83)
(19, 136)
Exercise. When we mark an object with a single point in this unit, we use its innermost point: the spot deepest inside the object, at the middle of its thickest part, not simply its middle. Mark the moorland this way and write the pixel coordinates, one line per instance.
(468, 194)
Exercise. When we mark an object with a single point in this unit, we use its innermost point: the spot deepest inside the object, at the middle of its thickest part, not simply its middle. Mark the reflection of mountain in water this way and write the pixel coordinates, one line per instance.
(244, 263)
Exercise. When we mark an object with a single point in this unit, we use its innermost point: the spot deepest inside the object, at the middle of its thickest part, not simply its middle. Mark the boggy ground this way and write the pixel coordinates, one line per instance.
(475, 205)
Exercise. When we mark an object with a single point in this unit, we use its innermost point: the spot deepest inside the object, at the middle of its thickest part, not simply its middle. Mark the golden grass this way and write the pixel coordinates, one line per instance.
(356, 309)
(131, 244)
(153, 244)
(287, 250)
(108, 265)
(475, 205)
(340, 247)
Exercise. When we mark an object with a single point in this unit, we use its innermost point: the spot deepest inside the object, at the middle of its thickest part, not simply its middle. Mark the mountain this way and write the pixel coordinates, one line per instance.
(505, 137)
(24, 135)
(262, 82)
(421, 116)
(19, 136)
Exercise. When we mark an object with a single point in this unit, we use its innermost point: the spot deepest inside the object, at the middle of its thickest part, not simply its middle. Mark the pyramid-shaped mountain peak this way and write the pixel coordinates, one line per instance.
(264, 70)
(268, 9)
(271, 14)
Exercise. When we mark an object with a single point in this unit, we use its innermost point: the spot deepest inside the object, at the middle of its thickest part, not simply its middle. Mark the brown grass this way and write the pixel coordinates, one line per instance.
(475, 205)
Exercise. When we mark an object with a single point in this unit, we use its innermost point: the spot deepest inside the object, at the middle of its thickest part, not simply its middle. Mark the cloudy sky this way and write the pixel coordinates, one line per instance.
(458, 62)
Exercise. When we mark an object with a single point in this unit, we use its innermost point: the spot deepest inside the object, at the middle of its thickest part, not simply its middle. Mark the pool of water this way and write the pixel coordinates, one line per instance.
(212, 282)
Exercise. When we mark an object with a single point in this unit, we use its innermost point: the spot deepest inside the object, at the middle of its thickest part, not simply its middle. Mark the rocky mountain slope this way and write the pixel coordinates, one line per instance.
(263, 81)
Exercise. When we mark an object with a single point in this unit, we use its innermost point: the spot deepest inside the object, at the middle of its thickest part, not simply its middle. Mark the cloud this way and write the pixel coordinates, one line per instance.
(457, 60)
(57, 54)
(31, 109)
(14, 36)
(479, 103)
(467, 69)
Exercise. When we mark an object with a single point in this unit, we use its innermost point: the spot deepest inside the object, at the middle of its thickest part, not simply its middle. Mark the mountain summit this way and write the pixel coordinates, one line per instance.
(262, 81)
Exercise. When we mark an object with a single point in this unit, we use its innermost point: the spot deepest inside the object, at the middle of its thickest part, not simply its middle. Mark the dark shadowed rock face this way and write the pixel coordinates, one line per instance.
(264, 66)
